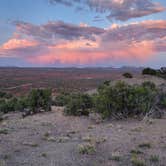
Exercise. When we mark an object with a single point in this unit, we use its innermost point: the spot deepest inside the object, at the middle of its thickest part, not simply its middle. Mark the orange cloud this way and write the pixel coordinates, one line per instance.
(18, 43)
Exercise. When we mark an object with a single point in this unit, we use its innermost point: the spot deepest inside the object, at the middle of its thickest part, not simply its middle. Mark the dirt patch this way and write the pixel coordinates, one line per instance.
(53, 139)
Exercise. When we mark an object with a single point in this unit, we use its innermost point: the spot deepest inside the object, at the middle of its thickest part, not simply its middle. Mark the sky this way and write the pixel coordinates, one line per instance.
(82, 33)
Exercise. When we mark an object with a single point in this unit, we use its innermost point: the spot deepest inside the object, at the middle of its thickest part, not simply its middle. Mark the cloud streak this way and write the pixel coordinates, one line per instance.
(68, 44)
(57, 29)
(118, 9)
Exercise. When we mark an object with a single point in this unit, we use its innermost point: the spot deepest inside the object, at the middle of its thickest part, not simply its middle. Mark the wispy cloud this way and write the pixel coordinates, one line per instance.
(69, 44)
(117, 9)
(57, 29)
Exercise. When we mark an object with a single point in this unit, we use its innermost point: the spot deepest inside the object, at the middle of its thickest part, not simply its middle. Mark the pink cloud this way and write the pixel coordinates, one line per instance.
(85, 45)
(71, 55)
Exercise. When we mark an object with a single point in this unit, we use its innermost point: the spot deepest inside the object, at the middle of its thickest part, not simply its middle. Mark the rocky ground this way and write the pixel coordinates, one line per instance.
(52, 139)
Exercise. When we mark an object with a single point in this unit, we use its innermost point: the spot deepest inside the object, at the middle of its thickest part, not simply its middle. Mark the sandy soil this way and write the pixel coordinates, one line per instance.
(52, 139)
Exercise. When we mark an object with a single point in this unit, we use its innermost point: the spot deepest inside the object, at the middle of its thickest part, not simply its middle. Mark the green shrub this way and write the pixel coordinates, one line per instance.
(118, 100)
(2, 94)
(8, 105)
(5, 95)
(1, 116)
(3, 106)
(122, 100)
(79, 104)
(39, 99)
(148, 84)
(137, 162)
(22, 103)
(13, 104)
(136, 151)
(149, 71)
(106, 83)
(86, 148)
(154, 158)
(162, 103)
(128, 75)
(144, 145)
(62, 99)
(36, 100)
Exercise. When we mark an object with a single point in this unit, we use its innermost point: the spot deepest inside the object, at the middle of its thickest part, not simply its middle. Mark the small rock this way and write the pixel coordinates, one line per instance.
(110, 125)
(136, 129)
(32, 144)
(87, 138)
(119, 126)
(63, 139)
(91, 127)
(51, 139)
(101, 140)
(96, 118)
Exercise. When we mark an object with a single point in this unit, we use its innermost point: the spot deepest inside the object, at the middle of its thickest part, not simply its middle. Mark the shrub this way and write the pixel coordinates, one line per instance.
(3, 106)
(39, 99)
(44, 155)
(122, 100)
(8, 105)
(36, 100)
(62, 99)
(79, 104)
(162, 72)
(136, 151)
(115, 157)
(5, 95)
(154, 158)
(1, 116)
(2, 94)
(149, 71)
(137, 162)
(107, 83)
(145, 145)
(86, 148)
(162, 103)
(118, 100)
(13, 104)
(128, 75)
(148, 84)
(22, 103)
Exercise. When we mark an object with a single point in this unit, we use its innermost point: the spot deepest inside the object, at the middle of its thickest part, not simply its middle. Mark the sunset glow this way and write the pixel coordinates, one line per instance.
(79, 43)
